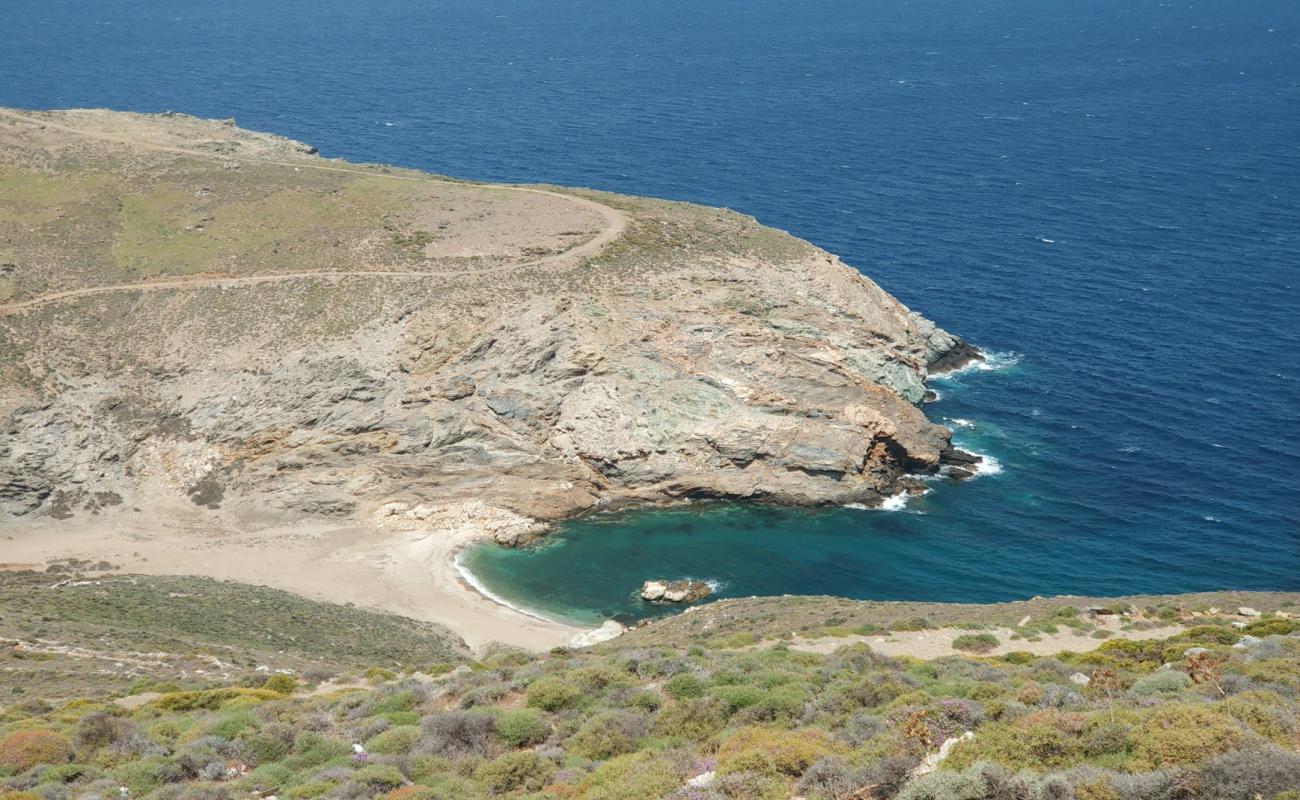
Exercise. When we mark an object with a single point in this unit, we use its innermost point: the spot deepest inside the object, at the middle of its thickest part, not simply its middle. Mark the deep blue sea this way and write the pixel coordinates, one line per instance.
(1106, 193)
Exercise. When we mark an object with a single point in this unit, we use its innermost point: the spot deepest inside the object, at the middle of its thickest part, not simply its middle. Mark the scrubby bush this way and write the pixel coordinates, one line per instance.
(684, 686)
(519, 727)
(912, 624)
(519, 770)
(1177, 735)
(280, 684)
(790, 752)
(394, 741)
(636, 775)
(1163, 682)
(830, 778)
(1258, 772)
(606, 735)
(23, 750)
(975, 642)
(980, 782)
(1265, 713)
(552, 694)
(379, 776)
(264, 748)
(458, 733)
(694, 720)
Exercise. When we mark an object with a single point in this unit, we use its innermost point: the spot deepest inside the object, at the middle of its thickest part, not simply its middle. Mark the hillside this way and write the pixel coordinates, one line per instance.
(319, 701)
(199, 317)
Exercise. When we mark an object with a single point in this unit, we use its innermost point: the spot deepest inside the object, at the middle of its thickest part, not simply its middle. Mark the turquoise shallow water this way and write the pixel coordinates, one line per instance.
(1110, 190)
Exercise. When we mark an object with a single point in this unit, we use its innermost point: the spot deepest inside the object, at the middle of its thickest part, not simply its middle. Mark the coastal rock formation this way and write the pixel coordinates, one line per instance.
(198, 317)
(686, 591)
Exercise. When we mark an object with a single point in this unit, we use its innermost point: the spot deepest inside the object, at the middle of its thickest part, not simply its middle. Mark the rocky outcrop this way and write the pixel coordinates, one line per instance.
(696, 354)
(684, 591)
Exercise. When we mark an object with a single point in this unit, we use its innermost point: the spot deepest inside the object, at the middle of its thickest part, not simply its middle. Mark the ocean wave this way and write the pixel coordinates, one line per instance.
(993, 361)
(958, 422)
(988, 465)
(895, 502)
(478, 586)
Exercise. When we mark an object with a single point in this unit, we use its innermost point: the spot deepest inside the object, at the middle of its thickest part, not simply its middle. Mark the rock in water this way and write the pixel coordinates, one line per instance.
(685, 591)
(299, 337)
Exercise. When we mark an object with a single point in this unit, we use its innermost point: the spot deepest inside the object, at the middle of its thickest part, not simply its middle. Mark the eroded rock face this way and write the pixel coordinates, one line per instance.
(698, 355)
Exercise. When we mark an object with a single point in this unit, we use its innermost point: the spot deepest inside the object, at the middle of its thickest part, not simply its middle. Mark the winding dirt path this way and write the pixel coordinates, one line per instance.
(615, 224)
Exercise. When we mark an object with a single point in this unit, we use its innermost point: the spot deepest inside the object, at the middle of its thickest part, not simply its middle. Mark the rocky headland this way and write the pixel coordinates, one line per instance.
(197, 316)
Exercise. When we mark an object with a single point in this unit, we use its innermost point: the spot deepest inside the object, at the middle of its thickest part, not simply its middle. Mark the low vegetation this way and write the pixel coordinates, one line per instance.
(1212, 712)
(65, 634)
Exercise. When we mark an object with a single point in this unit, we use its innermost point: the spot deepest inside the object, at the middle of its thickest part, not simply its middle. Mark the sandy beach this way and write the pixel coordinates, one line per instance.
(408, 572)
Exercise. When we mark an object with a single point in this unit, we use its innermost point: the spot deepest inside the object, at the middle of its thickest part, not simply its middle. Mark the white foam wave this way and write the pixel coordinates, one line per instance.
(991, 362)
(961, 423)
(478, 586)
(895, 502)
(988, 465)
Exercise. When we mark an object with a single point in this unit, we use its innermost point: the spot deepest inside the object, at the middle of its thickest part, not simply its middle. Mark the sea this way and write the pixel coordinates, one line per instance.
(1103, 195)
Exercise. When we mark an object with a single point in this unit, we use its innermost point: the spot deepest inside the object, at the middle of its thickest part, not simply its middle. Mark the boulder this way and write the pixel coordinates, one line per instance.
(686, 591)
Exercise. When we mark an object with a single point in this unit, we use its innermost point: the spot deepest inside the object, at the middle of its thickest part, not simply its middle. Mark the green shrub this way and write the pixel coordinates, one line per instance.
(141, 777)
(519, 770)
(381, 777)
(262, 749)
(695, 720)
(280, 684)
(68, 773)
(520, 727)
(735, 698)
(394, 702)
(606, 735)
(975, 642)
(733, 641)
(1163, 682)
(394, 741)
(311, 749)
(267, 777)
(645, 700)
(209, 699)
(1265, 713)
(232, 723)
(552, 694)
(1272, 627)
(378, 675)
(684, 686)
(308, 791)
(635, 776)
(913, 624)
(1043, 740)
(1208, 634)
(1177, 735)
(790, 752)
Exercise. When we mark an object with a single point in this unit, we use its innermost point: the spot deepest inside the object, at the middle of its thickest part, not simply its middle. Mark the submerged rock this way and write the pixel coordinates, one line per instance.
(685, 591)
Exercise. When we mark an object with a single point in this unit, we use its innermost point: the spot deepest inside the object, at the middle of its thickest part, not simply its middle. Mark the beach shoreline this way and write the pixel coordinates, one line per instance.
(411, 572)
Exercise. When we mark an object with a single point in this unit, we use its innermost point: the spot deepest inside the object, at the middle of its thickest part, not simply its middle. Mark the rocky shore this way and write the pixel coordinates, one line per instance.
(349, 364)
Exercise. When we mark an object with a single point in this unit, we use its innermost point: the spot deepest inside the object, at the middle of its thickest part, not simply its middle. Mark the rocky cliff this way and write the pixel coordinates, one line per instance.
(195, 316)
